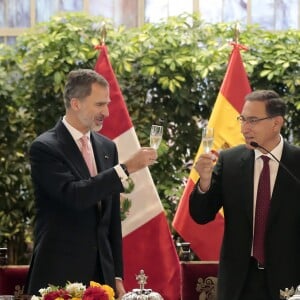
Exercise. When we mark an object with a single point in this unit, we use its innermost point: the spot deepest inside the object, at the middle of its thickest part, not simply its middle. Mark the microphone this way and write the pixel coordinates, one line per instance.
(256, 145)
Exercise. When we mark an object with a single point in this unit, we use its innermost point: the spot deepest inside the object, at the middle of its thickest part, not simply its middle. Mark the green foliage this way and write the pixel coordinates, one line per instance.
(169, 73)
(125, 207)
(46, 54)
(16, 207)
(273, 62)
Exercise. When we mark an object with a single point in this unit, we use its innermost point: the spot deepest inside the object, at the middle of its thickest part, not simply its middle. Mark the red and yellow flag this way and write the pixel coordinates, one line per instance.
(206, 239)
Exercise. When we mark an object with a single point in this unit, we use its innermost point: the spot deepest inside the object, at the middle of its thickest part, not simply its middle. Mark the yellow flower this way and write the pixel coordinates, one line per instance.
(109, 291)
(106, 288)
(95, 284)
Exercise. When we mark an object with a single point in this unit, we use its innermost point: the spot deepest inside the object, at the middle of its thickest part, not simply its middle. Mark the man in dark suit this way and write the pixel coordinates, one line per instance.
(232, 183)
(78, 228)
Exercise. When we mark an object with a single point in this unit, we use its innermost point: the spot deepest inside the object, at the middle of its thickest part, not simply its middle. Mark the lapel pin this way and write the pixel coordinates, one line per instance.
(106, 156)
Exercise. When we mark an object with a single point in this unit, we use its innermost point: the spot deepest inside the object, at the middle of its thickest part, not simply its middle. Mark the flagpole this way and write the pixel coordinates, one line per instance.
(103, 34)
(236, 33)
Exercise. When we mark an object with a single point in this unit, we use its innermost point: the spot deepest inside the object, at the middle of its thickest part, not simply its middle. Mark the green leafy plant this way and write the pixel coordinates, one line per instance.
(170, 73)
(16, 207)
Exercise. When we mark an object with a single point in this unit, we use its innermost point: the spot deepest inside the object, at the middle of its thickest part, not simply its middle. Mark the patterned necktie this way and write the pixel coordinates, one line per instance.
(87, 154)
(261, 212)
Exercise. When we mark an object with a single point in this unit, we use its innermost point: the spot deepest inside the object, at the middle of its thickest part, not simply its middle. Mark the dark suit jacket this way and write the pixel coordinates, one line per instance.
(232, 188)
(77, 217)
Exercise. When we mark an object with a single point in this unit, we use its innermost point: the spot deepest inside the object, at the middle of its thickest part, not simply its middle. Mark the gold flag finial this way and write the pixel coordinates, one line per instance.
(236, 32)
(103, 33)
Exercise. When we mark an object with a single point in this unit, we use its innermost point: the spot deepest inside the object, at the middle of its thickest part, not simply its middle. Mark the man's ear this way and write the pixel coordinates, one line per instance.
(278, 122)
(75, 104)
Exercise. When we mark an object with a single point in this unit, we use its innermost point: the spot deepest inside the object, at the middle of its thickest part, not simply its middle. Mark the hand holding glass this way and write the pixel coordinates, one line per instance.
(155, 136)
(207, 138)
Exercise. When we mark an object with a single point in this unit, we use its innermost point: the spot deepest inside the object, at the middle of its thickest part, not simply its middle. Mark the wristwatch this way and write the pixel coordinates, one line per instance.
(123, 166)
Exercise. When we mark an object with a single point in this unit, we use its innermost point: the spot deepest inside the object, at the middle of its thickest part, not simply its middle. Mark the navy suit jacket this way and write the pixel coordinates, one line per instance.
(232, 188)
(77, 217)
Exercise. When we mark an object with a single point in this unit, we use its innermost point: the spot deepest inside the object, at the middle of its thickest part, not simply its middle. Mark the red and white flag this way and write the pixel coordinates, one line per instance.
(206, 239)
(147, 241)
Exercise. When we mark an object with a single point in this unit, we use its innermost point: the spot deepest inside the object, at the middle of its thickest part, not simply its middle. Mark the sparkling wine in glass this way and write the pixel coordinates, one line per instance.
(207, 138)
(156, 133)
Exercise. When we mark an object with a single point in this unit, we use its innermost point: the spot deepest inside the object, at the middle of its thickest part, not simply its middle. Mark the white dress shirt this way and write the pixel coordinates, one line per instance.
(258, 165)
(77, 135)
(273, 164)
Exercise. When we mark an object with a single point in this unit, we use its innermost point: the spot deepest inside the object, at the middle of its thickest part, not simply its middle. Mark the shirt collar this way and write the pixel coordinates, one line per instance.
(277, 151)
(76, 134)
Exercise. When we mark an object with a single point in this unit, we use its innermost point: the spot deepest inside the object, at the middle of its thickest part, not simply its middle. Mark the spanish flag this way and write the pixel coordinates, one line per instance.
(206, 239)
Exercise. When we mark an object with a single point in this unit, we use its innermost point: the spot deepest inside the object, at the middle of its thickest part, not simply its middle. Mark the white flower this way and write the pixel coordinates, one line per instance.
(45, 291)
(72, 290)
(76, 289)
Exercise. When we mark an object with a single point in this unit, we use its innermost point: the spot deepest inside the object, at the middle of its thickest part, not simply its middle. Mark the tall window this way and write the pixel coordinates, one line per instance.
(44, 9)
(156, 10)
(120, 11)
(18, 15)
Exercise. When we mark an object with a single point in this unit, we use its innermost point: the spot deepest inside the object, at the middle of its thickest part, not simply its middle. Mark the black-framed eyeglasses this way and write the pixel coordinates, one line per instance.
(251, 120)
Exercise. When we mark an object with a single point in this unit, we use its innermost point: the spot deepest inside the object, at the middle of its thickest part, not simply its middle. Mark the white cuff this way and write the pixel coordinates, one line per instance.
(118, 278)
(122, 175)
(199, 189)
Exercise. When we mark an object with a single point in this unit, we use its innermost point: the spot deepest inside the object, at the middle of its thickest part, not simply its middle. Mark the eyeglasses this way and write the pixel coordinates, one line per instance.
(251, 120)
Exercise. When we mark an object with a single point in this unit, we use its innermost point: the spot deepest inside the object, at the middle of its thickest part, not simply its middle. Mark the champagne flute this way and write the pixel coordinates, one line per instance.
(207, 138)
(156, 133)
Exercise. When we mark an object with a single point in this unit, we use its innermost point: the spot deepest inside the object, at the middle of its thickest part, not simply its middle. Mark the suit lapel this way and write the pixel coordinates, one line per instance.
(247, 167)
(71, 150)
(280, 188)
(101, 155)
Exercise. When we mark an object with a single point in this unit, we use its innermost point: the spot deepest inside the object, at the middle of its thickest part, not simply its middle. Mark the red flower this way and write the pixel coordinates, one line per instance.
(57, 294)
(95, 293)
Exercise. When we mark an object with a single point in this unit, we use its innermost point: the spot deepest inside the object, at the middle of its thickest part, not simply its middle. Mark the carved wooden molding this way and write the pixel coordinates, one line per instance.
(207, 288)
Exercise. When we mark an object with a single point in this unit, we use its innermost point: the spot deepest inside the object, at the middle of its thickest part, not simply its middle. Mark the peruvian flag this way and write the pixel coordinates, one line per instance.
(147, 241)
(206, 239)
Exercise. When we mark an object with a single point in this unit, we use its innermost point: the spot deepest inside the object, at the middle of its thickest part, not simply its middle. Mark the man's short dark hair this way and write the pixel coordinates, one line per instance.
(275, 105)
(79, 84)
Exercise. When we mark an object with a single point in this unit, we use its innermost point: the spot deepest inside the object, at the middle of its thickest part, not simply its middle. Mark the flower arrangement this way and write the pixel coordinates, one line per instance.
(76, 291)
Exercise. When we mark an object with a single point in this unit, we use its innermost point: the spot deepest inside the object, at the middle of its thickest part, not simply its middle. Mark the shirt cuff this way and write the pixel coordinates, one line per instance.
(121, 173)
(199, 189)
(119, 278)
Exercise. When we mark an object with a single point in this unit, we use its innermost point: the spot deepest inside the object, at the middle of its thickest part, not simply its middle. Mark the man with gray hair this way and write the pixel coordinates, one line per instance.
(78, 180)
